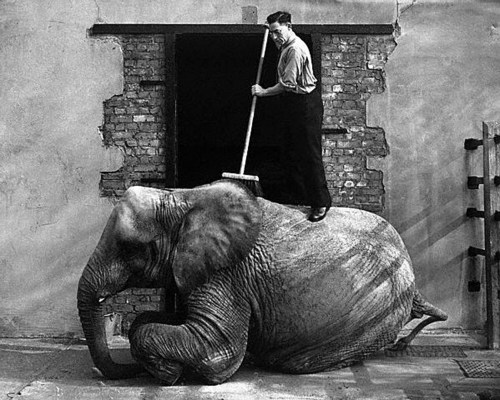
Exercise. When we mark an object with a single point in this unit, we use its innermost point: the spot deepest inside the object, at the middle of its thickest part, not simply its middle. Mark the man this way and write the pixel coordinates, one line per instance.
(303, 114)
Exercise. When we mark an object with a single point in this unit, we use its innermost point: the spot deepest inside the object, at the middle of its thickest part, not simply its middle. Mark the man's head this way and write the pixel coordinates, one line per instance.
(280, 27)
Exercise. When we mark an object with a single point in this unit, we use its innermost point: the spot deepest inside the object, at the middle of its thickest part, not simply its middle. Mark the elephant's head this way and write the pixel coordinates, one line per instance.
(170, 238)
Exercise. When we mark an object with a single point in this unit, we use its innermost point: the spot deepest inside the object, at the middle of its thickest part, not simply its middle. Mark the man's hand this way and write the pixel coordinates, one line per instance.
(258, 91)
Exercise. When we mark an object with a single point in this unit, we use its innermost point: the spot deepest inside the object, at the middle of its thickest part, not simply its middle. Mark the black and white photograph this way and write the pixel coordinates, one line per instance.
(228, 200)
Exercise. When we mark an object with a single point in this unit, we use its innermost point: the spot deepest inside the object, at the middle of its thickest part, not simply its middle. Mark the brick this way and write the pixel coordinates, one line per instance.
(115, 102)
(144, 94)
(329, 48)
(349, 96)
(337, 73)
(123, 308)
(348, 64)
(131, 143)
(133, 79)
(350, 88)
(348, 104)
(147, 307)
(144, 142)
(144, 168)
(114, 184)
(145, 135)
(123, 119)
(120, 135)
(142, 291)
(118, 299)
(353, 176)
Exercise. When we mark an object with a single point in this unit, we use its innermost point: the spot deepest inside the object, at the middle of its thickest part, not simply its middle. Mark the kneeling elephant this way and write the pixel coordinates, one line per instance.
(254, 276)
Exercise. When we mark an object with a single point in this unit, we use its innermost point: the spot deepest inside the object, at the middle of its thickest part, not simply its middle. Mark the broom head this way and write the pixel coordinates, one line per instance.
(250, 181)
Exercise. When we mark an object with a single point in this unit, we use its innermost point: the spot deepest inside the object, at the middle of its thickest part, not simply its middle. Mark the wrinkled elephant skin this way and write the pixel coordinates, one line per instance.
(255, 277)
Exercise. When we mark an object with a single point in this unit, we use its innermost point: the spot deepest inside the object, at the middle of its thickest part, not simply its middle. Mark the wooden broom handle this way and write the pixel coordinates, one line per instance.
(254, 103)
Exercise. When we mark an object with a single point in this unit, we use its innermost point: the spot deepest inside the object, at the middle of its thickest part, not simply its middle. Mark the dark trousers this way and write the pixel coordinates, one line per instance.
(303, 116)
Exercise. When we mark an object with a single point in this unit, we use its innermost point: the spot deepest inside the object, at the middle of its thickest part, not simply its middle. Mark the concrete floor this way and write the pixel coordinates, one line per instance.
(55, 369)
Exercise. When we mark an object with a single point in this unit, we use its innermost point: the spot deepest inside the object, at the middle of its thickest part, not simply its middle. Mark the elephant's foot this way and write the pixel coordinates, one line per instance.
(168, 372)
(147, 346)
(166, 350)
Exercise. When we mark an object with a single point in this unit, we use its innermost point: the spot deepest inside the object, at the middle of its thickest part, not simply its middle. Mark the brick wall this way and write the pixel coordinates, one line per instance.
(131, 302)
(134, 120)
(352, 70)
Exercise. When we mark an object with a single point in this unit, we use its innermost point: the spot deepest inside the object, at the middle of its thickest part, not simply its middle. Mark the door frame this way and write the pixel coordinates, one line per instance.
(170, 32)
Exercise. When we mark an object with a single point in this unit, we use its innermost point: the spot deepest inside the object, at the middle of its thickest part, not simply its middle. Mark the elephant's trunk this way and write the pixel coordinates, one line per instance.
(92, 319)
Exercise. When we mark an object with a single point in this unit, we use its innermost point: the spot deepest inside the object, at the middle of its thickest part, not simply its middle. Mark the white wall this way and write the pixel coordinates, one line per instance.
(443, 80)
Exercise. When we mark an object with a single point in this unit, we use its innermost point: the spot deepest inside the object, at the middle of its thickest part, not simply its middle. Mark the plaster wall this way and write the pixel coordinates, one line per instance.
(443, 80)
(55, 79)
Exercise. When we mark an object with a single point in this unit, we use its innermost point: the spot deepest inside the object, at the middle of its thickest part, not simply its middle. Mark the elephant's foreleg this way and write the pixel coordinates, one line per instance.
(149, 348)
(420, 307)
(165, 350)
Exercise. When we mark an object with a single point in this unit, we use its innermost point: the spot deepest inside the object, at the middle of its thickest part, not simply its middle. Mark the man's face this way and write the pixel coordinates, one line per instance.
(279, 33)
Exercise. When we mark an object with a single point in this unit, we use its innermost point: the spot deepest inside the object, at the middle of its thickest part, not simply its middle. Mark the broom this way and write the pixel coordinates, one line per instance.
(250, 181)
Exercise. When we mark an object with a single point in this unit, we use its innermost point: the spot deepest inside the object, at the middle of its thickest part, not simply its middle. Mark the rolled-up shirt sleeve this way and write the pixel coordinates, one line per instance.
(291, 70)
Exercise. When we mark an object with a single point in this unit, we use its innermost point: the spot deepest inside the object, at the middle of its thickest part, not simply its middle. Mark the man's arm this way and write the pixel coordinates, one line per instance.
(259, 91)
(288, 82)
(293, 70)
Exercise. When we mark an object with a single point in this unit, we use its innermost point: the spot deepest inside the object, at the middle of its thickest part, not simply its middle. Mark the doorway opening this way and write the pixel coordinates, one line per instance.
(215, 73)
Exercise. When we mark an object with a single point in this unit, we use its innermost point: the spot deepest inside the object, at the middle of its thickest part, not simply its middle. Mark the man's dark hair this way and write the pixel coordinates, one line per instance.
(282, 17)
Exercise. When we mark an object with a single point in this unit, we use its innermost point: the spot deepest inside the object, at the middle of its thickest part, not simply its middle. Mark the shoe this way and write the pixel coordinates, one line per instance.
(317, 213)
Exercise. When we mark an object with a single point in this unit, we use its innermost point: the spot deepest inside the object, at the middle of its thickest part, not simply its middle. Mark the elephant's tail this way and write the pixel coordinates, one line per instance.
(421, 307)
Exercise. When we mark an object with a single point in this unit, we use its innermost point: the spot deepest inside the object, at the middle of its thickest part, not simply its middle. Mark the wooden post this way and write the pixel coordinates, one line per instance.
(491, 232)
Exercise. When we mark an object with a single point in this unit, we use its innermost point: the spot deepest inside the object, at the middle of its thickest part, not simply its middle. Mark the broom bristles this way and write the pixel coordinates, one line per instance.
(250, 181)
(231, 175)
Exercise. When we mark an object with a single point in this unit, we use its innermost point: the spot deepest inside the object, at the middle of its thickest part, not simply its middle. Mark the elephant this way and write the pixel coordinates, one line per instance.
(254, 277)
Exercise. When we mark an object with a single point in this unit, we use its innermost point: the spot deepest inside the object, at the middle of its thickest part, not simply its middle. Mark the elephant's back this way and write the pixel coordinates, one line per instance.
(345, 233)
(347, 281)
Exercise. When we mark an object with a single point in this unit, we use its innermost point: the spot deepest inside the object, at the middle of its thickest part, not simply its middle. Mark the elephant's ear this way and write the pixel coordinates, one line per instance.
(217, 232)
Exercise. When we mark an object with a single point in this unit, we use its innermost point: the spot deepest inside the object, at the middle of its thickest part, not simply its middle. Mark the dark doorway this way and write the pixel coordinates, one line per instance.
(214, 75)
